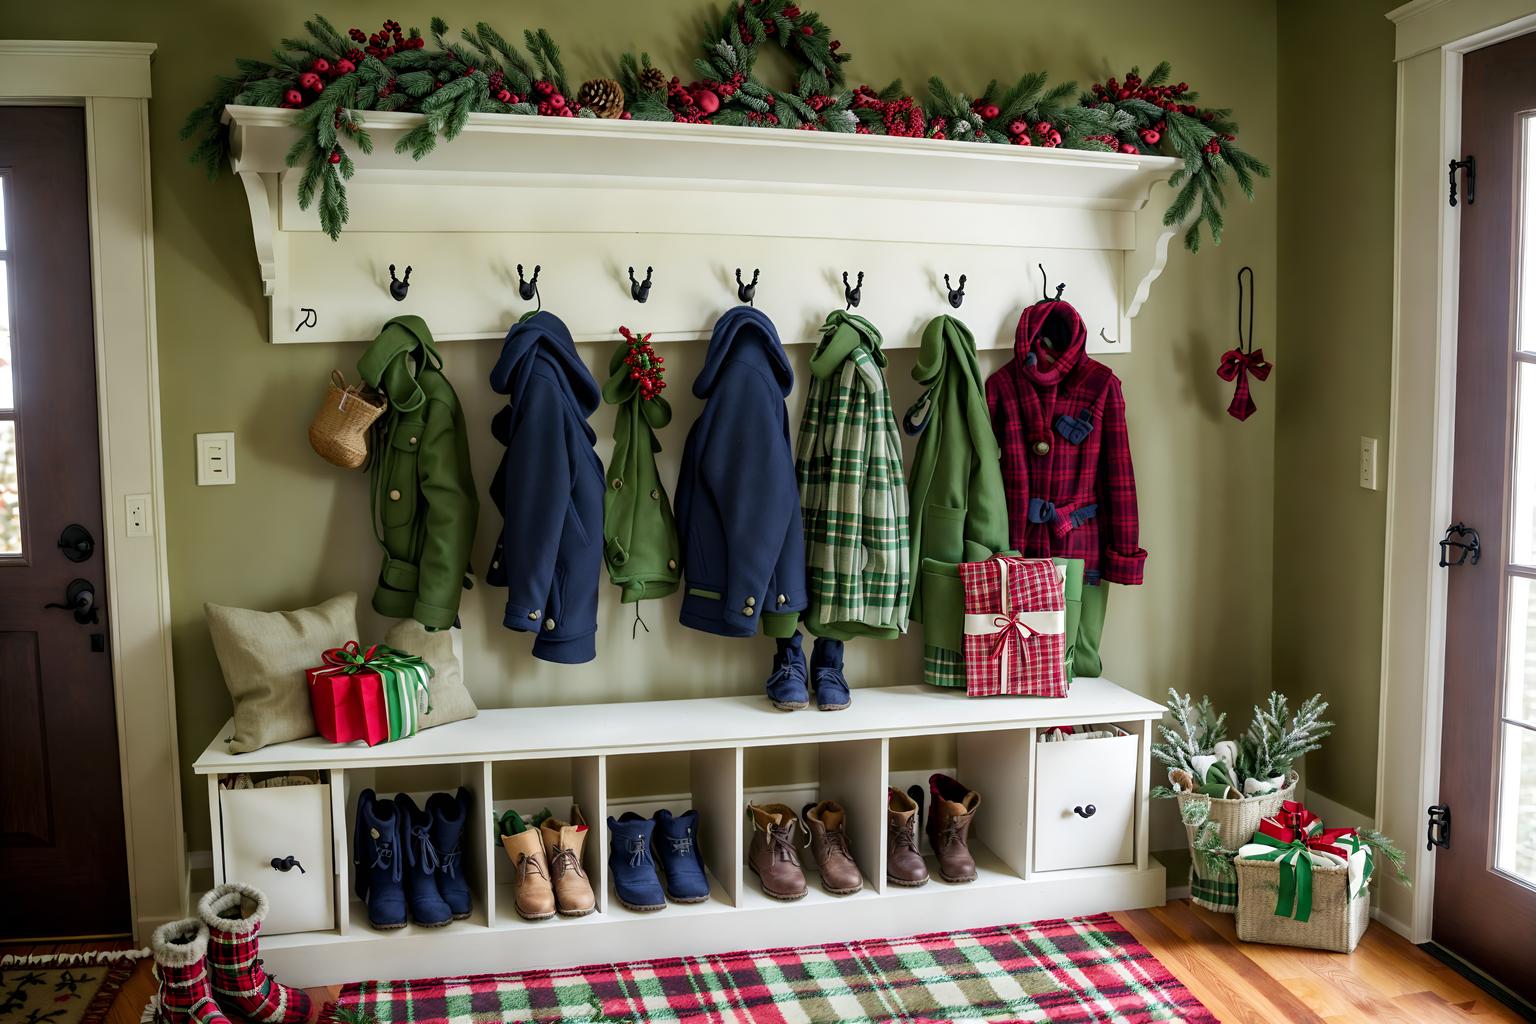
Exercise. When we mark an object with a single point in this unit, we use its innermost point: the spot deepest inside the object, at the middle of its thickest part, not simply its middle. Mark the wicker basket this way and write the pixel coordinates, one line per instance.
(1335, 923)
(339, 431)
(1238, 821)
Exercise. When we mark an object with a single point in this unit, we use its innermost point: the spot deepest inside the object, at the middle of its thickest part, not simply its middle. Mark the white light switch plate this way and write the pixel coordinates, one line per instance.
(215, 459)
(1368, 463)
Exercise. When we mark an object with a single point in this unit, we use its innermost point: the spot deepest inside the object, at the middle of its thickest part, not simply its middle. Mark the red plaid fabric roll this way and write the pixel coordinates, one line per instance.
(1015, 625)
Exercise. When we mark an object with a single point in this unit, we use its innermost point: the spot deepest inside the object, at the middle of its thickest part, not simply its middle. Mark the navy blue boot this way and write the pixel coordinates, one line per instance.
(377, 861)
(450, 815)
(629, 858)
(787, 686)
(827, 673)
(682, 864)
(422, 864)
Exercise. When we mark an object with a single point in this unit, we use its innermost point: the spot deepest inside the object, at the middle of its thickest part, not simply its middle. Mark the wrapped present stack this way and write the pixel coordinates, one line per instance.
(1015, 627)
(374, 695)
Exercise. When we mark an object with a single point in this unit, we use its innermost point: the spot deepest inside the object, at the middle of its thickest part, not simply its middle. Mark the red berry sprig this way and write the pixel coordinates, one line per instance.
(645, 366)
(1173, 98)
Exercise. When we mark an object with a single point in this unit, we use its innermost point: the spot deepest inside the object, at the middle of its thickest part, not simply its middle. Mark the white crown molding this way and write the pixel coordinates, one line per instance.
(1458, 25)
(74, 69)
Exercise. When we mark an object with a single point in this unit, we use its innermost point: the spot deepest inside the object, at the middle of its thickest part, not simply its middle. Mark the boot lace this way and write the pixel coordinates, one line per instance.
(639, 852)
(527, 865)
(904, 836)
(427, 857)
(783, 845)
(836, 842)
(384, 857)
(951, 834)
(451, 861)
(565, 859)
(681, 845)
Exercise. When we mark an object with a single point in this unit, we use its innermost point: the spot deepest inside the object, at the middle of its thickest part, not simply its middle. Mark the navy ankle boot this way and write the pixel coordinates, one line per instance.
(787, 686)
(378, 861)
(422, 864)
(450, 815)
(832, 692)
(682, 864)
(629, 858)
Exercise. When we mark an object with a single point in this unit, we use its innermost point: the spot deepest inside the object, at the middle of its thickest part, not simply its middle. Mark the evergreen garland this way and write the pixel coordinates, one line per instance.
(330, 77)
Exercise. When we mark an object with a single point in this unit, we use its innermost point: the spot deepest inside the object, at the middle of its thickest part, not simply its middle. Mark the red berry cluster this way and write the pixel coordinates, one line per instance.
(550, 101)
(389, 40)
(1168, 97)
(496, 85)
(697, 102)
(901, 117)
(1041, 133)
(322, 72)
(645, 366)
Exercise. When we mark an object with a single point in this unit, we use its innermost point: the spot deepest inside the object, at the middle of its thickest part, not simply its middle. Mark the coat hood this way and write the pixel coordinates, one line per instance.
(382, 365)
(1050, 340)
(543, 335)
(744, 333)
(841, 335)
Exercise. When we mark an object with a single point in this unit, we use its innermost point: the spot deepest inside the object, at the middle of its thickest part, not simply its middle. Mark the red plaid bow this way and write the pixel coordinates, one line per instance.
(1236, 365)
(1293, 823)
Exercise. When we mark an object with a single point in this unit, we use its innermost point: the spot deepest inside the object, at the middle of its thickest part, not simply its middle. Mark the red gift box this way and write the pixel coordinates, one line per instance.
(348, 699)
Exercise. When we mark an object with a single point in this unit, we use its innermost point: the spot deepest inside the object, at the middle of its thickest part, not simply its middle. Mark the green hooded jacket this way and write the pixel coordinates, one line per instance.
(639, 534)
(423, 494)
(958, 508)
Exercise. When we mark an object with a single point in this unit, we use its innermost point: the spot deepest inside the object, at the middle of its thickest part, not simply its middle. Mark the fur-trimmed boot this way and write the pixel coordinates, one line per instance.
(181, 964)
(233, 914)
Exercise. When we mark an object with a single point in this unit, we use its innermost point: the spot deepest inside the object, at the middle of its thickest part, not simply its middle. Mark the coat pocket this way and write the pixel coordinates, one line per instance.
(943, 533)
(402, 488)
(943, 604)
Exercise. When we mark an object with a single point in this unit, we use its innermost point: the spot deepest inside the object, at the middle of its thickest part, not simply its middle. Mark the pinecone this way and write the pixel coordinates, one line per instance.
(653, 80)
(603, 96)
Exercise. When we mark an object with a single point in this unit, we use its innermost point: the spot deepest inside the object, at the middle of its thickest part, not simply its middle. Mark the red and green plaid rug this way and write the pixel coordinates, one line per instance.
(1073, 971)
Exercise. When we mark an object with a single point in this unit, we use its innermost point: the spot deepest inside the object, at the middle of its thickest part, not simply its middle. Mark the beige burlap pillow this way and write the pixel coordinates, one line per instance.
(443, 650)
(264, 655)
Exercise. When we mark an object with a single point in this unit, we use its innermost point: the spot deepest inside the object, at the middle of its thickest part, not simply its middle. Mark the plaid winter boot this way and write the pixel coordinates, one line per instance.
(181, 964)
(233, 914)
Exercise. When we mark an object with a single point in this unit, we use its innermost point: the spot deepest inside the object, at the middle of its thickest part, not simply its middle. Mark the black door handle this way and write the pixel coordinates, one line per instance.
(1085, 812)
(288, 863)
(80, 598)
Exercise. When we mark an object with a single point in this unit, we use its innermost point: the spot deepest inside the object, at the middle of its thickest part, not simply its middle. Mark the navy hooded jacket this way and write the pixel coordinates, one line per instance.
(738, 504)
(549, 489)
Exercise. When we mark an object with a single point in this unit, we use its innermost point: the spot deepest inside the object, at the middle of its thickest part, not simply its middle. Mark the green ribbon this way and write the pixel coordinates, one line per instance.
(1294, 898)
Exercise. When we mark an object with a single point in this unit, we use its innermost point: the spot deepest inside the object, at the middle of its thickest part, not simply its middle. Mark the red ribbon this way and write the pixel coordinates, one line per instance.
(350, 658)
(1295, 824)
(1008, 625)
(1236, 365)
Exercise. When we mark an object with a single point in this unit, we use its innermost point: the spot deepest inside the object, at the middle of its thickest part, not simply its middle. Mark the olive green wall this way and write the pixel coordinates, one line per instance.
(1333, 384)
(293, 530)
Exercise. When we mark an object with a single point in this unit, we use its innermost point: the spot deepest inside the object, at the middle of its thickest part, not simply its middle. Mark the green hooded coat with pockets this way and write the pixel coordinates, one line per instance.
(423, 494)
(639, 535)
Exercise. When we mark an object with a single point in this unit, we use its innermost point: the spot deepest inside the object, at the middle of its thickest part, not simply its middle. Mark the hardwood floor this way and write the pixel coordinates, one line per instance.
(1385, 979)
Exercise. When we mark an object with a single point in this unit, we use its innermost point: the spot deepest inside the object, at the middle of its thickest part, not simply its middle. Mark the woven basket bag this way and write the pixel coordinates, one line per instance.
(339, 431)
(1238, 821)
(1336, 922)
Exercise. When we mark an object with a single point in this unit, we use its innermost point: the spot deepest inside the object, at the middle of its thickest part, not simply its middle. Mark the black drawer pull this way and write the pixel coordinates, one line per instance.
(1081, 812)
(288, 863)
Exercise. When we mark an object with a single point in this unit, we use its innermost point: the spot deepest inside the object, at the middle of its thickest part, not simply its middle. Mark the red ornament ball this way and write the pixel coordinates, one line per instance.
(504, 96)
(557, 101)
(806, 30)
(706, 100)
(311, 81)
(1126, 147)
(1150, 136)
(345, 67)
(990, 111)
(321, 66)
(544, 88)
(335, 156)
(1017, 128)
(293, 98)
(626, 116)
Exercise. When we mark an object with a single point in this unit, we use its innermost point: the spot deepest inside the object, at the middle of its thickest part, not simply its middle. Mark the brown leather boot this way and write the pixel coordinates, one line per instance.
(535, 896)
(949, 827)
(826, 824)
(771, 855)
(563, 843)
(903, 861)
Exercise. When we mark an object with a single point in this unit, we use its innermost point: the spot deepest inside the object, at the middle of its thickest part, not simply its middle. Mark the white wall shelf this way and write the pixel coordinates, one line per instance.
(996, 749)
(588, 198)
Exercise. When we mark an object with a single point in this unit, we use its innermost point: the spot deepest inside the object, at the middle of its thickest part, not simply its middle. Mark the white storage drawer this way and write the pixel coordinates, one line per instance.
(1085, 802)
(263, 825)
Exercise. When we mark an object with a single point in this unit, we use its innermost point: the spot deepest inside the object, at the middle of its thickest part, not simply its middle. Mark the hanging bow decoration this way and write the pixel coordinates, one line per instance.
(1291, 837)
(1238, 362)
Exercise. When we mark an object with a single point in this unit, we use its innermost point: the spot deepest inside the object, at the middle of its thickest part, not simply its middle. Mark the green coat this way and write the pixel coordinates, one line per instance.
(423, 500)
(639, 535)
(959, 512)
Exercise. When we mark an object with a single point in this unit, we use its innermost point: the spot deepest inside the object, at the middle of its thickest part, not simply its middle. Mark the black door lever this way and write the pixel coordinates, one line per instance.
(80, 598)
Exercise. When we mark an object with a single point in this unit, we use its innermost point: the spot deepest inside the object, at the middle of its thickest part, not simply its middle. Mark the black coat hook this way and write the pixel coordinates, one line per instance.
(1044, 287)
(639, 290)
(399, 286)
(746, 292)
(853, 296)
(529, 288)
(956, 295)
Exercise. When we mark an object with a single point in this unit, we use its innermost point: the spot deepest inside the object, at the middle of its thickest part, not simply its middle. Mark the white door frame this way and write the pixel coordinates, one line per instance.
(1432, 38)
(111, 81)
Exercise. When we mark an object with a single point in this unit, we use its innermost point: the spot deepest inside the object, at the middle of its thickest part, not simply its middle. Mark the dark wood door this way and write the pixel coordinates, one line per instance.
(63, 865)
(1485, 882)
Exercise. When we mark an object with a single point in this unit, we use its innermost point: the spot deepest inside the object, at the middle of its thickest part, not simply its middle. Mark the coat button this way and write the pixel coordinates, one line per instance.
(747, 611)
(413, 440)
(549, 624)
(394, 495)
(655, 494)
(671, 563)
(495, 565)
(618, 485)
(1042, 447)
(533, 616)
(751, 602)
(783, 600)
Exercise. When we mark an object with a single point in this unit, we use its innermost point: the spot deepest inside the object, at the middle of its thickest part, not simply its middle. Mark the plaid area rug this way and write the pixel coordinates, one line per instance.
(1072, 972)
(68, 988)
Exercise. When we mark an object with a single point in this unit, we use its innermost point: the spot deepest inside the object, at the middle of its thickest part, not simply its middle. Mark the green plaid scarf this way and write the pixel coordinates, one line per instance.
(853, 494)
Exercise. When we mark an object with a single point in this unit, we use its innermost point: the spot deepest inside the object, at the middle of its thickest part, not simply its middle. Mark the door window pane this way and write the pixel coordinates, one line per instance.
(1516, 848)
(1526, 332)
(10, 491)
(7, 378)
(3, 244)
(1520, 674)
(1523, 514)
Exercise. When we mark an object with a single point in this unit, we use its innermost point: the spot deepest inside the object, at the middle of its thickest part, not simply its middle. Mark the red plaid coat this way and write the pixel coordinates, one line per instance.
(1059, 417)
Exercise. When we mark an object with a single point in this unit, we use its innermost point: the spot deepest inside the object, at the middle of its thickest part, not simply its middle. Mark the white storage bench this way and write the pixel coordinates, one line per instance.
(1036, 857)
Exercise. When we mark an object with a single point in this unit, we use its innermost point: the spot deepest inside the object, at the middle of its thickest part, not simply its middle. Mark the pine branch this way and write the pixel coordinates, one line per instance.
(1387, 850)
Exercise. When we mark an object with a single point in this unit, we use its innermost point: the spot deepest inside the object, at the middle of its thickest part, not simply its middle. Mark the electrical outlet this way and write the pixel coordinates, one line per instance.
(136, 515)
(1368, 463)
(215, 459)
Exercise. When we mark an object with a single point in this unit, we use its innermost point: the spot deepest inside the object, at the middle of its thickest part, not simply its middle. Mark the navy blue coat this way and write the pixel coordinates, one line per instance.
(738, 504)
(549, 489)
